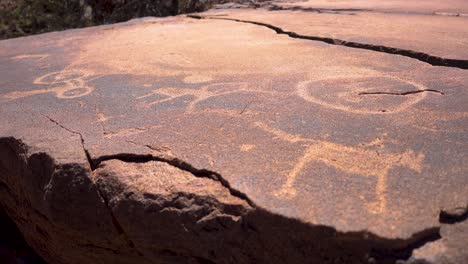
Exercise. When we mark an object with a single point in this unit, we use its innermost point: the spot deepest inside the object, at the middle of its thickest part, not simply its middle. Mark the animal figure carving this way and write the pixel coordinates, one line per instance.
(367, 160)
(205, 92)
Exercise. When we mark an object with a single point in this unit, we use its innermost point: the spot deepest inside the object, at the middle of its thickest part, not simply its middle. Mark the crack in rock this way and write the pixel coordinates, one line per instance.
(182, 165)
(94, 164)
(115, 222)
(88, 156)
(402, 93)
(422, 238)
(421, 56)
(453, 216)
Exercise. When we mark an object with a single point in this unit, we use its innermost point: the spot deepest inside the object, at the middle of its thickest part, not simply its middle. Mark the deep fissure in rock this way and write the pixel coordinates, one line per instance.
(453, 216)
(182, 165)
(403, 93)
(421, 56)
(426, 236)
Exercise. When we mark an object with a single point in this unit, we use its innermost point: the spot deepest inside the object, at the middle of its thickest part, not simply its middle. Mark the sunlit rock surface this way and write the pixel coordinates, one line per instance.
(241, 136)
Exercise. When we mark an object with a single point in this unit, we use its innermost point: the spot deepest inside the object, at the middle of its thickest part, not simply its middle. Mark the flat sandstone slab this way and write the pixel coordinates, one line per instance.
(191, 139)
(436, 36)
(447, 7)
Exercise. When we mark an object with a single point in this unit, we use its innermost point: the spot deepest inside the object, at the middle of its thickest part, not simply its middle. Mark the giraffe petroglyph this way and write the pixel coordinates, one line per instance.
(361, 159)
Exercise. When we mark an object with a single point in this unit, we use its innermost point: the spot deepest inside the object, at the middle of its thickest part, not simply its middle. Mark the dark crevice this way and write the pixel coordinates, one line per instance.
(402, 93)
(421, 56)
(418, 240)
(201, 260)
(118, 227)
(453, 216)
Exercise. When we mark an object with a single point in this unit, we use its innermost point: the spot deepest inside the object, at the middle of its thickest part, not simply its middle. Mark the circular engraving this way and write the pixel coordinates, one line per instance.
(363, 94)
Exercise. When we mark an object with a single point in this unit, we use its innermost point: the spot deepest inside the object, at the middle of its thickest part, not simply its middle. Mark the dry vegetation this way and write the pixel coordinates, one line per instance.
(26, 17)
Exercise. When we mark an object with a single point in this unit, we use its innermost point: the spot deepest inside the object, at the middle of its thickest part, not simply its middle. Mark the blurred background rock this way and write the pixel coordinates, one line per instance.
(26, 17)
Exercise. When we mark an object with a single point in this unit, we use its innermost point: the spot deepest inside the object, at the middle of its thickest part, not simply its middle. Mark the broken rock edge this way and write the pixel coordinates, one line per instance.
(381, 247)
(384, 248)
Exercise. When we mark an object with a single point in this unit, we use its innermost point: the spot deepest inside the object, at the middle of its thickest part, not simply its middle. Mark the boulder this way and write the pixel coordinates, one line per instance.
(251, 135)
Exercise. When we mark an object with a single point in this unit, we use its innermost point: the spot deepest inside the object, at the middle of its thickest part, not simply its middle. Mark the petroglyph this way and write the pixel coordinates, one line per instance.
(343, 93)
(340, 95)
(293, 138)
(203, 93)
(102, 118)
(65, 85)
(367, 160)
(247, 147)
(31, 56)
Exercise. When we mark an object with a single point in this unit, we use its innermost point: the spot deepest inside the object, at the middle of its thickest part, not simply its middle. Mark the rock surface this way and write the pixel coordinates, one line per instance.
(240, 136)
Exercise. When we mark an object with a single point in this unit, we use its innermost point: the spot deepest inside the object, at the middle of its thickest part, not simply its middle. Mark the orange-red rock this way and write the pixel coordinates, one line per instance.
(213, 139)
